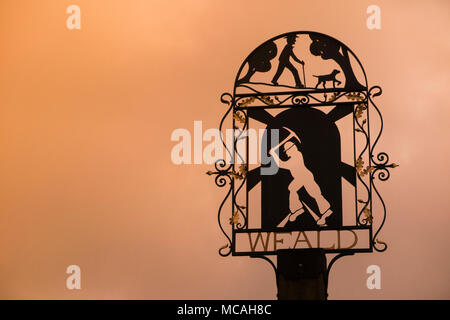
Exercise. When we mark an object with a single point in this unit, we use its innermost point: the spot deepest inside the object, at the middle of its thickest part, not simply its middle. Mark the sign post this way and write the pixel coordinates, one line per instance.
(300, 167)
(302, 275)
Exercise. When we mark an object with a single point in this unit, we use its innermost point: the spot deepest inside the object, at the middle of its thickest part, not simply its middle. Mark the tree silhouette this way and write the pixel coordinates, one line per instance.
(259, 60)
(328, 48)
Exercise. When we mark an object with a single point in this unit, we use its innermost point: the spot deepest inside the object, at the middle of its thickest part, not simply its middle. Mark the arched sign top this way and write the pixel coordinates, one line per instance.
(301, 60)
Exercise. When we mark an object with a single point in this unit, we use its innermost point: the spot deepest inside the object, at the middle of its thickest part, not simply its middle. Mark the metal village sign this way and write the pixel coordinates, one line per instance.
(314, 184)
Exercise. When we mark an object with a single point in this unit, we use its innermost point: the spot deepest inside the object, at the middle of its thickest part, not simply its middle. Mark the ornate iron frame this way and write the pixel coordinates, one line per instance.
(235, 177)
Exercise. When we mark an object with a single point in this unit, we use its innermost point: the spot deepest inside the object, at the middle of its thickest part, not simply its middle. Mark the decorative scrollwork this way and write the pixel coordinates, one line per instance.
(239, 208)
(223, 175)
(381, 170)
(382, 158)
(382, 173)
(359, 163)
(383, 248)
(300, 99)
(223, 172)
(229, 244)
(226, 98)
(226, 247)
(375, 241)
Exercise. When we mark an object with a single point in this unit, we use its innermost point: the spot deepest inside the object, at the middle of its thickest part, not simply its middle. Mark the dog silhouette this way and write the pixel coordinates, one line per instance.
(328, 77)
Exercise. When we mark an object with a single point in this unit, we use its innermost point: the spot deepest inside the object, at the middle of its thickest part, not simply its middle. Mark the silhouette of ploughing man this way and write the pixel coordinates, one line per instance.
(284, 62)
(302, 177)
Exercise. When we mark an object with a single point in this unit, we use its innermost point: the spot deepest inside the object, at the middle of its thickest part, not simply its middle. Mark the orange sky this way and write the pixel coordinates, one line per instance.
(86, 118)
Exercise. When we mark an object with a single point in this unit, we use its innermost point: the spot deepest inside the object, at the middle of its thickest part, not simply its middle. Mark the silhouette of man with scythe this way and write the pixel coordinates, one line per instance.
(302, 177)
(284, 62)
